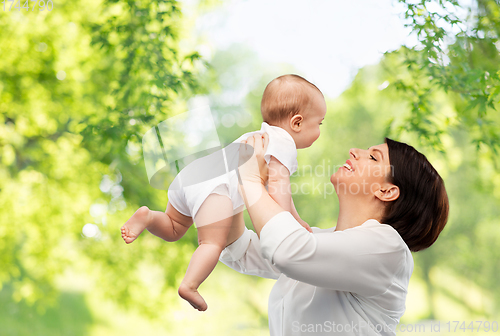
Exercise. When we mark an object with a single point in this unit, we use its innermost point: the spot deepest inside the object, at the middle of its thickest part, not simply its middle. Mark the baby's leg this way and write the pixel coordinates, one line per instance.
(170, 225)
(213, 221)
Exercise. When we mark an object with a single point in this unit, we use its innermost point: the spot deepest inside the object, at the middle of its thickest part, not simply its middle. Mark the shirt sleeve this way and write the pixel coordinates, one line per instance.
(362, 260)
(244, 255)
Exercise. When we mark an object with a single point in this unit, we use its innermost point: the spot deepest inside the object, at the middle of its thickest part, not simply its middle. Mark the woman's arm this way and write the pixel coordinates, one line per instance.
(261, 207)
(362, 260)
(253, 174)
(279, 189)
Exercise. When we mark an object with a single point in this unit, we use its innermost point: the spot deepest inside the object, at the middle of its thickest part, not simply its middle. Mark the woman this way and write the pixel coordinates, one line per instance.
(351, 279)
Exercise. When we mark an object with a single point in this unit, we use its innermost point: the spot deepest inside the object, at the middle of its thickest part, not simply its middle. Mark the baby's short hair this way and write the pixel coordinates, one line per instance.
(285, 97)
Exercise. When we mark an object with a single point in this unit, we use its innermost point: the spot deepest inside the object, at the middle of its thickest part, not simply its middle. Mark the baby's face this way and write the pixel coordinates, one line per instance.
(313, 116)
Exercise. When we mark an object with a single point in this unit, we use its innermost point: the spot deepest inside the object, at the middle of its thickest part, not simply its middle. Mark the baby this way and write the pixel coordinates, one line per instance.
(292, 109)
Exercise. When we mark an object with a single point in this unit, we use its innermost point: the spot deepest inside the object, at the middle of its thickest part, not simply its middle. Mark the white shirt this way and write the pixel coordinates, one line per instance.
(281, 145)
(351, 282)
(212, 171)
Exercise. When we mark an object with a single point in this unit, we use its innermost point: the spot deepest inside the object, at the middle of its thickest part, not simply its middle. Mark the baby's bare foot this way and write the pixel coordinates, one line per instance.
(135, 225)
(192, 296)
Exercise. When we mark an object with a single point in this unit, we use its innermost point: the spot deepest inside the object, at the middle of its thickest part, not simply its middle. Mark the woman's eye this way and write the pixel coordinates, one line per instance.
(373, 158)
(321, 123)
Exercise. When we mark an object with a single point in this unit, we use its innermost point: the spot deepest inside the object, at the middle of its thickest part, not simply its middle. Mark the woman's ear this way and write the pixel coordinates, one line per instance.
(388, 193)
(296, 122)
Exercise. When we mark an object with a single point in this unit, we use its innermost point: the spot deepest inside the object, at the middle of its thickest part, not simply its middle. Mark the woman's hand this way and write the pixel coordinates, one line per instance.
(254, 169)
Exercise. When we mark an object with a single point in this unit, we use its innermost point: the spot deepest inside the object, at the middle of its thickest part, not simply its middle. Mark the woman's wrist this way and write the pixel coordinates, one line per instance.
(260, 206)
(253, 167)
(252, 192)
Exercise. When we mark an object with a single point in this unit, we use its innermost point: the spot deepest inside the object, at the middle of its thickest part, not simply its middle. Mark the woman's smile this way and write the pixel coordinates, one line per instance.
(348, 166)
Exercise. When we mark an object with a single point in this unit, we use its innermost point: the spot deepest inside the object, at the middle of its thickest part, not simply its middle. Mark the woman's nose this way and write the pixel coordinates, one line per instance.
(354, 152)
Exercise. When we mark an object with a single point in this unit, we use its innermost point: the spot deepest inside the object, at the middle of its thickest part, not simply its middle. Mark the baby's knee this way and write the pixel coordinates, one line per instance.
(219, 246)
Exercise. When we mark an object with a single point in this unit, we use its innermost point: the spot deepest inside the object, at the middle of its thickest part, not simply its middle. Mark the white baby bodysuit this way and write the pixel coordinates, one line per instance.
(188, 199)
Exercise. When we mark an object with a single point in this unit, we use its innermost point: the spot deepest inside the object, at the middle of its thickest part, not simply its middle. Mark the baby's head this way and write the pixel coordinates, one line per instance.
(296, 105)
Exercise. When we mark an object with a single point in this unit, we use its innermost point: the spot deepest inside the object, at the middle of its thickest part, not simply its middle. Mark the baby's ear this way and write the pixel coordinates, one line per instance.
(296, 122)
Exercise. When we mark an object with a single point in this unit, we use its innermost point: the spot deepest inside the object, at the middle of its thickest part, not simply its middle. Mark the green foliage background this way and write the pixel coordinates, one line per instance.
(81, 84)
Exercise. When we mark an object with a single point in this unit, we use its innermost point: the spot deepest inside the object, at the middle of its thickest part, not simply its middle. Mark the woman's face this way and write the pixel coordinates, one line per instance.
(364, 173)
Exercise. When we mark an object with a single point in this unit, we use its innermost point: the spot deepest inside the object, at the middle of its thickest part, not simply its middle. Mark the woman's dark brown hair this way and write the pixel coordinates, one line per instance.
(421, 210)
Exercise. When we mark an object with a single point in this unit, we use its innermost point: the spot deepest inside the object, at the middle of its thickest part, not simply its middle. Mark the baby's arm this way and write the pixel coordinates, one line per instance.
(295, 215)
(279, 189)
(279, 184)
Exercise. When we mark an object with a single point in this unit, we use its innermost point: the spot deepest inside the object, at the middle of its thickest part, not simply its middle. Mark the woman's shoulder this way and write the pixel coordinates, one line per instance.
(384, 233)
(381, 241)
(385, 242)
(372, 237)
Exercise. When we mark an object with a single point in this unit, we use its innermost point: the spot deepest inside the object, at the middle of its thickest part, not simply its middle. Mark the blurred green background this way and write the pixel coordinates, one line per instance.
(79, 86)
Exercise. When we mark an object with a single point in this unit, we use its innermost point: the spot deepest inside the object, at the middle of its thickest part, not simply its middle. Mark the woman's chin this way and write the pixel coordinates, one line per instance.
(334, 179)
(337, 175)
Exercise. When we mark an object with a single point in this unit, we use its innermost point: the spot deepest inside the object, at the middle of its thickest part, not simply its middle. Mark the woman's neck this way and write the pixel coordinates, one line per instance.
(354, 212)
